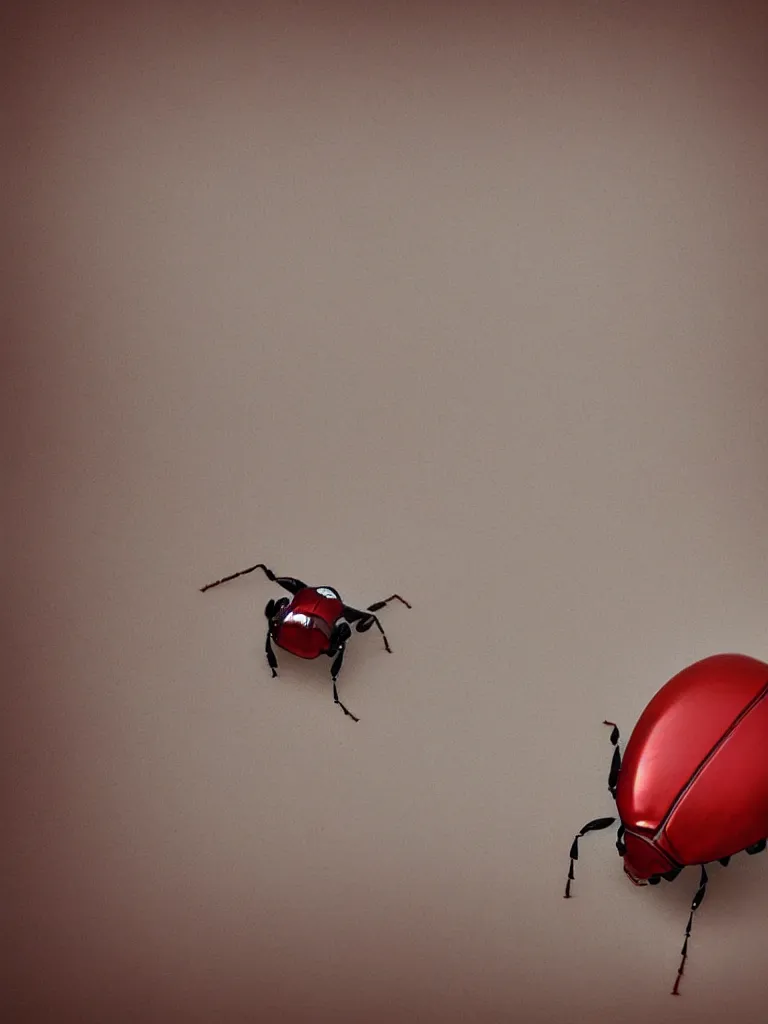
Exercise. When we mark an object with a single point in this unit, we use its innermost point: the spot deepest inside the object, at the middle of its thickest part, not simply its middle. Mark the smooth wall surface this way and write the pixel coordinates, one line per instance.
(465, 304)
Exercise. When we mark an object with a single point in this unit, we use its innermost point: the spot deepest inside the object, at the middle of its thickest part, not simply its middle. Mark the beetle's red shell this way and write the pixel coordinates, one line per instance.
(693, 784)
(305, 626)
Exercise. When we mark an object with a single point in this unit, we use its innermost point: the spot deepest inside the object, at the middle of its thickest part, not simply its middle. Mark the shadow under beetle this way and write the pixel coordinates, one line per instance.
(313, 621)
(693, 785)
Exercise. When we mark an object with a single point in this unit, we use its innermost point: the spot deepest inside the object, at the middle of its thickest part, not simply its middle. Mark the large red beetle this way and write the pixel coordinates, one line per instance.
(312, 622)
(692, 787)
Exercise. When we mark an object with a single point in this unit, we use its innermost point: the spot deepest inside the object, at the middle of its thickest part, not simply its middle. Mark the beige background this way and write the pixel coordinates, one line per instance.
(466, 305)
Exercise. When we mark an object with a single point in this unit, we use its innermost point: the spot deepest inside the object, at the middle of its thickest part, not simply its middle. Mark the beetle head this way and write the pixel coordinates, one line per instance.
(643, 860)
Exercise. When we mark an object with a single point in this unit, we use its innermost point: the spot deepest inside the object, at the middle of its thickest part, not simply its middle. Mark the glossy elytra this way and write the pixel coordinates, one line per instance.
(692, 787)
(313, 621)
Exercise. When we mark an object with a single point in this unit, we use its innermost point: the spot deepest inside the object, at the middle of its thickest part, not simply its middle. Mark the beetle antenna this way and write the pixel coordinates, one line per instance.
(696, 902)
(613, 774)
(243, 572)
(591, 826)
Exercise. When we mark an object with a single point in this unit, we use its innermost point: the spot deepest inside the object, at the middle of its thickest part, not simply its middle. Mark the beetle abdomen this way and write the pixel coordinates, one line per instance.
(306, 636)
(725, 807)
(305, 626)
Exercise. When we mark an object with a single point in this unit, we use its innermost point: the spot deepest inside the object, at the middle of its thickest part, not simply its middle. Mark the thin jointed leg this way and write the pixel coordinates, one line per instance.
(613, 775)
(293, 586)
(378, 605)
(243, 572)
(591, 826)
(271, 659)
(366, 619)
(373, 620)
(696, 903)
(335, 669)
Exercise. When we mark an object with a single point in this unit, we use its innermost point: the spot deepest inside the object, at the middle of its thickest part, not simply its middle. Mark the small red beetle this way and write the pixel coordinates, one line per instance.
(314, 621)
(693, 785)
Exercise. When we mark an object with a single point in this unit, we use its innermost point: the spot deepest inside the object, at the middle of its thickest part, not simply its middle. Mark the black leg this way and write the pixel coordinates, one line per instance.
(288, 583)
(243, 572)
(366, 619)
(275, 607)
(700, 893)
(591, 826)
(343, 708)
(378, 605)
(338, 647)
(271, 610)
(365, 624)
(613, 775)
(271, 659)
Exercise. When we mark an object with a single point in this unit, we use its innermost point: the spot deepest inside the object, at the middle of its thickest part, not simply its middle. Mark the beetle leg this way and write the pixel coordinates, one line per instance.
(378, 605)
(342, 633)
(364, 621)
(286, 582)
(757, 848)
(243, 572)
(373, 620)
(271, 610)
(613, 774)
(591, 826)
(271, 659)
(696, 902)
(273, 607)
(343, 708)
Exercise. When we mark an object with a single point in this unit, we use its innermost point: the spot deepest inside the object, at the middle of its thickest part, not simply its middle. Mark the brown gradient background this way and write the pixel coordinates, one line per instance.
(468, 304)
